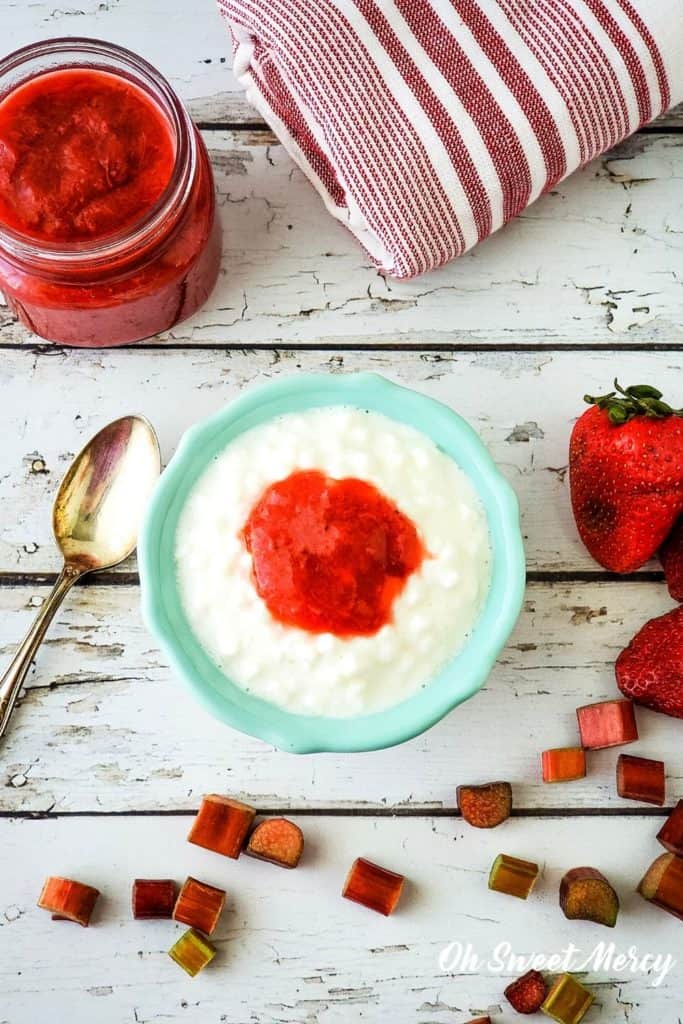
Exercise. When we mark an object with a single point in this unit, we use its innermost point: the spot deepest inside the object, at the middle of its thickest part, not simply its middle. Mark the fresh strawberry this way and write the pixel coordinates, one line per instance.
(650, 669)
(527, 993)
(626, 475)
(671, 557)
(485, 806)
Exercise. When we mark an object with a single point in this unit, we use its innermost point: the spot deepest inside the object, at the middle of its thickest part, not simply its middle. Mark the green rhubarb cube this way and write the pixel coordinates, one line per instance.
(192, 952)
(568, 1001)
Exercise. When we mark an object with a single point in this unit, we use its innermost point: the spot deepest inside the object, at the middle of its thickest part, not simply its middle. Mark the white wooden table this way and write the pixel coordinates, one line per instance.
(107, 757)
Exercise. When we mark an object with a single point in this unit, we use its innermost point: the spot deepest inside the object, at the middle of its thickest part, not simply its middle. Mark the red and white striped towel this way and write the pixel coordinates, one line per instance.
(427, 124)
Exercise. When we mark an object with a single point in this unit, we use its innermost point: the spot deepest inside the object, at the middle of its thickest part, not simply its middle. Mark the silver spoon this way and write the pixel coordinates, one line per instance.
(95, 521)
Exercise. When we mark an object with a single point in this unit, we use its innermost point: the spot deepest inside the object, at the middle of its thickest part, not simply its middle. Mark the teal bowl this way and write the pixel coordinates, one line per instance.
(458, 680)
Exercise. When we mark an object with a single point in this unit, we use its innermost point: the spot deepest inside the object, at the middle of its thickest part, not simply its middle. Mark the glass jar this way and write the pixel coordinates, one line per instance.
(139, 280)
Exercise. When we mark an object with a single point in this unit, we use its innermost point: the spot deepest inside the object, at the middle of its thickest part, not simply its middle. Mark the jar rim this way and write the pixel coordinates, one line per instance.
(153, 224)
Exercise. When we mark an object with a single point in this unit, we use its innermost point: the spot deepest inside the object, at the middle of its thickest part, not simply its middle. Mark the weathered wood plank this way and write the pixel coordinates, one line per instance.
(596, 260)
(672, 118)
(522, 403)
(193, 52)
(192, 49)
(105, 726)
(291, 950)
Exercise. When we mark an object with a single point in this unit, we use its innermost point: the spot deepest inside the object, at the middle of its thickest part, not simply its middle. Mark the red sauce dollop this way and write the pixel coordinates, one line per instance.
(330, 556)
(83, 153)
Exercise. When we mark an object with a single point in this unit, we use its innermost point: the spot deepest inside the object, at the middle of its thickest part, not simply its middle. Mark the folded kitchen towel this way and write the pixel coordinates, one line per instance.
(427, 124)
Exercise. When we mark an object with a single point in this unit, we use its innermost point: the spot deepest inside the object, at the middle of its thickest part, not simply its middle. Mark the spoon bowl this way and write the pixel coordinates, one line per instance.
(95, 521)
(102, 498)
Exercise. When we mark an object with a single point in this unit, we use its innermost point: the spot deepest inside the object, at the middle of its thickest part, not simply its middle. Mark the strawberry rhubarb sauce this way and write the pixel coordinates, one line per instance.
(108, 226)
(330, 555)
(83, 154)
(332, 561)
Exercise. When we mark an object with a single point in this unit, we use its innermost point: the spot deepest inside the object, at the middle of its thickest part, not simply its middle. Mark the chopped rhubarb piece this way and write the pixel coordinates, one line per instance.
(278, 841)
(527, 993)
(153, 897)
(639, 778)
(485, 806)
(69, 900)
(192, 952)
(662, 884)
(586, 895)
(649, 883)
(222, 825)
(564, 764)
(671, 833)
(512, 876)
(199, 905)
(568, 1001)
(481, 1020)
(373, 886)
(669, 892)
(611, 723)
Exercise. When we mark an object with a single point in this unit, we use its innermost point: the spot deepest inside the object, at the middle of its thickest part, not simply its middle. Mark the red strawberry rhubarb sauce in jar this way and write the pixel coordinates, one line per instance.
(108, 225)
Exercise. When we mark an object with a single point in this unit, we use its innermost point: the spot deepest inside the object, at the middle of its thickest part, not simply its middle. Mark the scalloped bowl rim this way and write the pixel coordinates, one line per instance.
(460, 678)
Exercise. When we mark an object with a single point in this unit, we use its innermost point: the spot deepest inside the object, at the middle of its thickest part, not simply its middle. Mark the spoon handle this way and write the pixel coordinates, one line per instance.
(13, 678)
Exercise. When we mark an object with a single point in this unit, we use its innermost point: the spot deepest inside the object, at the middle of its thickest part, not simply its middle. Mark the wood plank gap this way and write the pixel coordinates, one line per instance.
(48, 579)
(261, 126)
(414, 811)
(593, 576)
(236, 126)
(661, 129)
(131, 579)
(454, 348)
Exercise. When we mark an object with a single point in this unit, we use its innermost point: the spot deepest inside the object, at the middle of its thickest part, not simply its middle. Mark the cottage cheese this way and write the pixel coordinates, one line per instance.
(323, 674)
